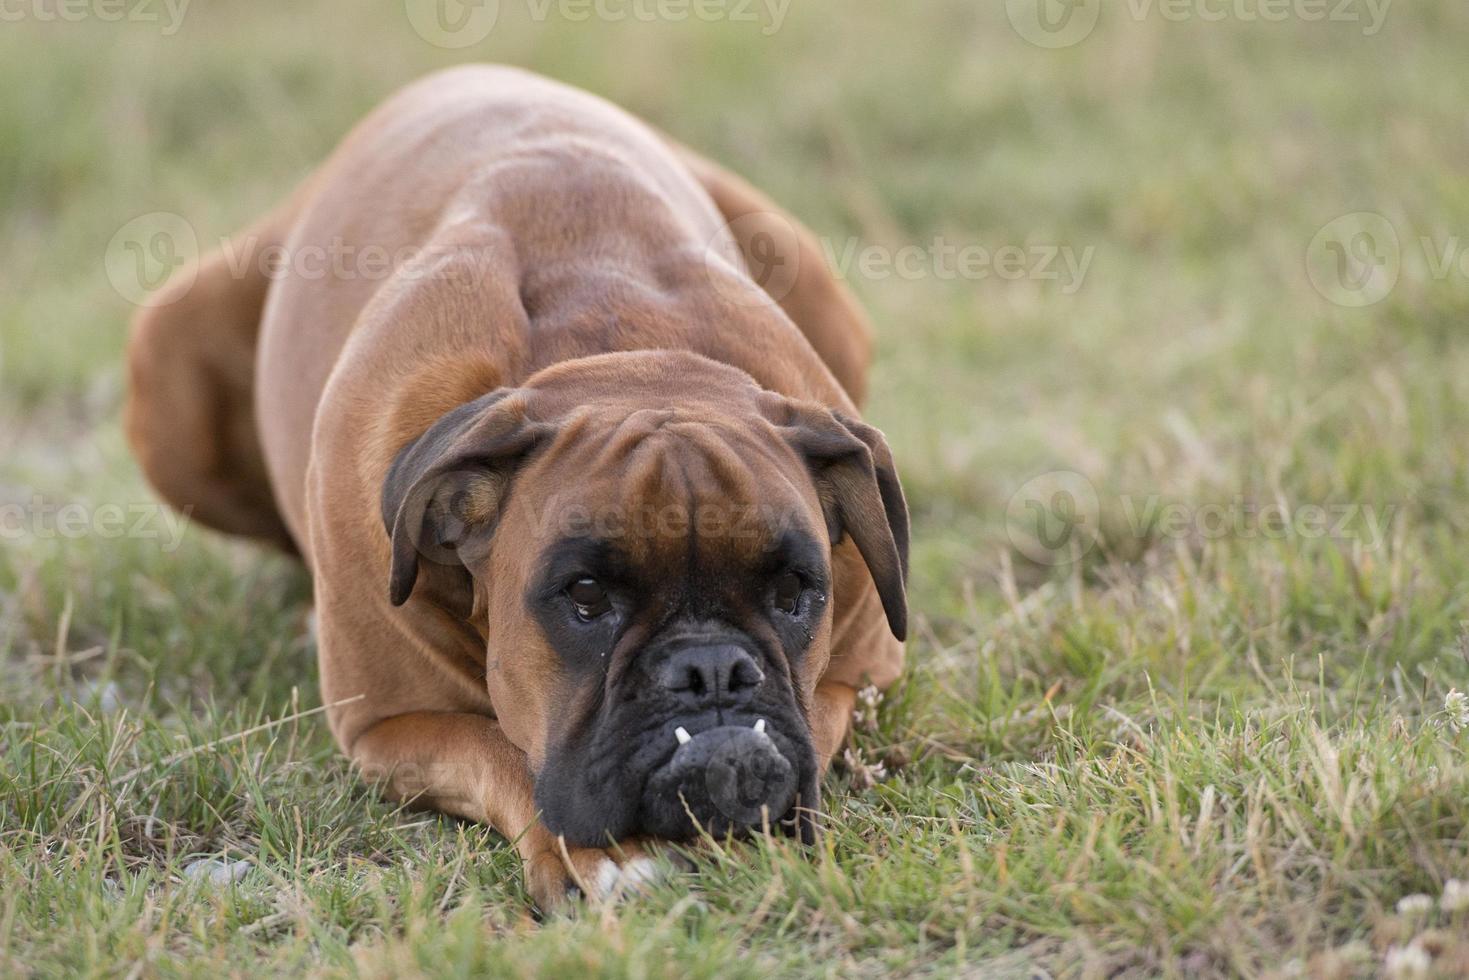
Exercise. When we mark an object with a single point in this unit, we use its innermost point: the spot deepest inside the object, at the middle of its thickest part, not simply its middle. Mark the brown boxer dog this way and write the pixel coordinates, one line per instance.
(601, 550)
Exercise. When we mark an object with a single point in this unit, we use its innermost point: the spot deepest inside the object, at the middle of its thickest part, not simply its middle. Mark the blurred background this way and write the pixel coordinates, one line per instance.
(1170, 301)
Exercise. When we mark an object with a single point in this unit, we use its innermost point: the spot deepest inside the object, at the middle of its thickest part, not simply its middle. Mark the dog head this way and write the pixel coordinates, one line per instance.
(646, 543)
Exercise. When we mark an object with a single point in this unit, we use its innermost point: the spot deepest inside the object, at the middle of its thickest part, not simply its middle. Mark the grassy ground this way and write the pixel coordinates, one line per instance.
(1190, 716)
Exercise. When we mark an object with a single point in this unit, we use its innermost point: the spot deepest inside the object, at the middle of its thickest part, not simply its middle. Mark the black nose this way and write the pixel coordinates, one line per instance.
(710, 675)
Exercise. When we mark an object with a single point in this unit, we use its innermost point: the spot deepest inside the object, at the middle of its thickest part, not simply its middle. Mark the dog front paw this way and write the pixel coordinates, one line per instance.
(559, 874)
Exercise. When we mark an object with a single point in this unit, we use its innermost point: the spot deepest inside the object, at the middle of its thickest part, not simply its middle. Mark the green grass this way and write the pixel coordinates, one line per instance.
(1186, 751)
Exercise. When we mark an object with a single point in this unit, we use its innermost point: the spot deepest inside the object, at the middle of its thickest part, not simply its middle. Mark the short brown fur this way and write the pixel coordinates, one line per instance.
(275, 409)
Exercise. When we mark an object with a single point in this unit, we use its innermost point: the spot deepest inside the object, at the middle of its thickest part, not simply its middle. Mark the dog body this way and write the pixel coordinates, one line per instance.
(571, 484)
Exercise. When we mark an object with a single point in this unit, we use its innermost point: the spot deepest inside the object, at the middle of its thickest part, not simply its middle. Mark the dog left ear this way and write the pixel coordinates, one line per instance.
(860, 494)
(442, 496)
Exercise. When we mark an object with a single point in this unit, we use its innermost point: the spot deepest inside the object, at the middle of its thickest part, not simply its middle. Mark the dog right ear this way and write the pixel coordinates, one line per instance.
(442, 496)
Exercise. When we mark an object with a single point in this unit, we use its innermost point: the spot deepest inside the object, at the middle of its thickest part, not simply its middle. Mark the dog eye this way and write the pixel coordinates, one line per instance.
(589, 598)
(787, 592)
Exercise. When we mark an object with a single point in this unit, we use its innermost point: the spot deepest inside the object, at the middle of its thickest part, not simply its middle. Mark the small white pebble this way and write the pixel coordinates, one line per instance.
(1414, 905)
(1455, 895)
(216, 871)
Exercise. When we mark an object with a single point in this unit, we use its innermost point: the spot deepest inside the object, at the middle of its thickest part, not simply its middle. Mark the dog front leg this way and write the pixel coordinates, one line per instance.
(831, 718)
(464, 765)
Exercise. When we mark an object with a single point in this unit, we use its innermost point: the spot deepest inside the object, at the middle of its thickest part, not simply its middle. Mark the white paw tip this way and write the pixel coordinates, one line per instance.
(640, 871)
(760, 725)
(682, 734)
(608, 874)
(611, 880)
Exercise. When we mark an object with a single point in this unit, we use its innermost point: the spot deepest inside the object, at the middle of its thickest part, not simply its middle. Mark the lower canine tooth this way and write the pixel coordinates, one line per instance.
(682, 734)
(760, 725)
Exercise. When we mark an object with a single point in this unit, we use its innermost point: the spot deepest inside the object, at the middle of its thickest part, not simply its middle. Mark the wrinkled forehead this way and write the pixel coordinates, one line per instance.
(668, 486)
